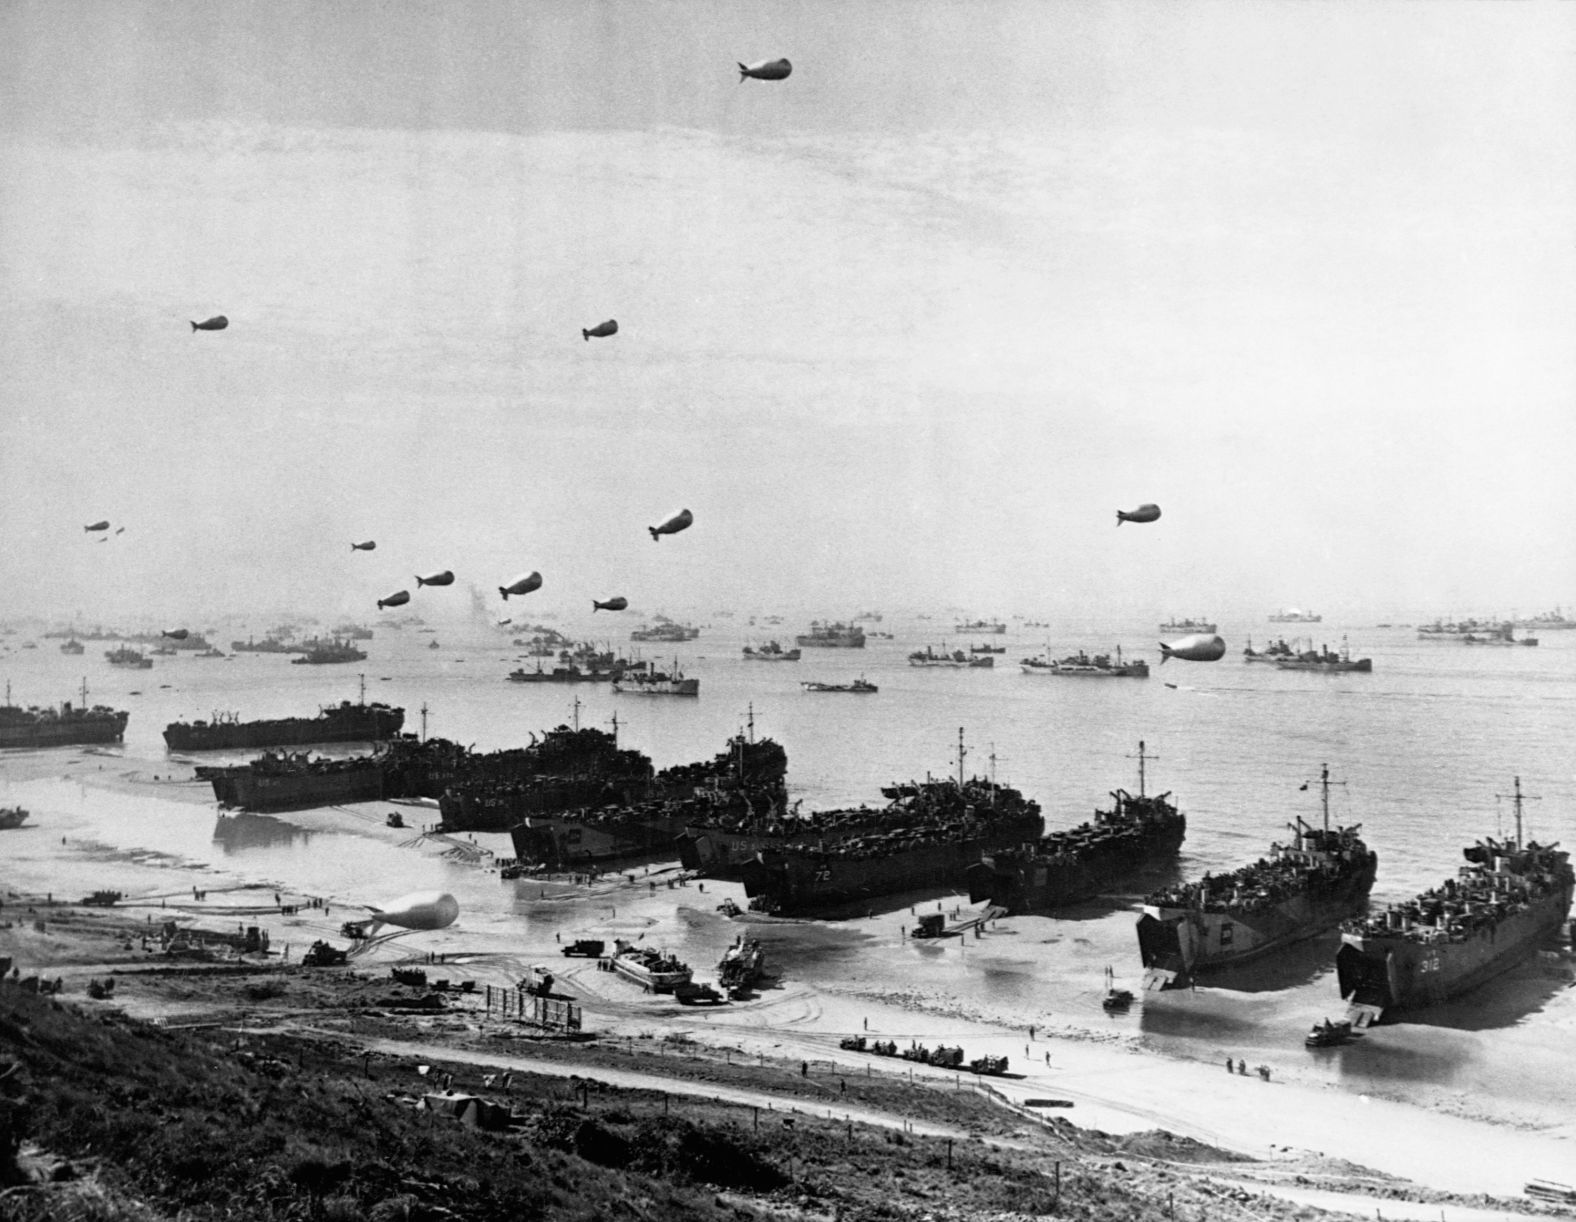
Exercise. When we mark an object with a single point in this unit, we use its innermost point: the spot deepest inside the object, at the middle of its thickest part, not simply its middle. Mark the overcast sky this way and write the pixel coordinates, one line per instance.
(902, 330)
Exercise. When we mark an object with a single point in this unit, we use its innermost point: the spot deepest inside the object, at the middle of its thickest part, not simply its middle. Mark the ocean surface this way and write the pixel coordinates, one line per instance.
(1423, 753)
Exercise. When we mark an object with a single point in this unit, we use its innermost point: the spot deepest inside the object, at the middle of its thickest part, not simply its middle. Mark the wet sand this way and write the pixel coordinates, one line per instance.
(841, 979)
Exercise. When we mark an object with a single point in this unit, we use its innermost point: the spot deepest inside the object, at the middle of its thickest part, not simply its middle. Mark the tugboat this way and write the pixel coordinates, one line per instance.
(1502, 904)
(1068, 867)
(1300, 890)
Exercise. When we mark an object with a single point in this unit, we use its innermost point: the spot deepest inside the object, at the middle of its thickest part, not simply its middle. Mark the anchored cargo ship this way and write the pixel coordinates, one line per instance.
(1085, 666)
(956, 660)
(1273, 652)
(1502, 904)
(1300, 890)
(52, 727)
(656, 683)
(937, 829)
(993, 627)
(129, 658)
(344, 722)
(322, 653)
(770, 652)
(1293, 616)
(668, 631)
(1326, 661)
(1189, 625)
(832, 636)
(1068, 867)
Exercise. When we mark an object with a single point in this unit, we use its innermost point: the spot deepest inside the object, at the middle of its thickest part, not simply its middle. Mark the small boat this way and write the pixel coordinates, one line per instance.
(858, 685)
(654, 970)
(12, 816)
(1328, 1034)
(1116, 1000)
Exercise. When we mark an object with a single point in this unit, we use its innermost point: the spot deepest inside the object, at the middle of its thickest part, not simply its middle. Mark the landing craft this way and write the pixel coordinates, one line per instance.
(97, 526)
(444, 578)
(1144, 513)
(370, 545)
(601, 331)
(418, 910)
(766, 70)
(120, 530)
(217, 323)
(521, 585)
(679, 521)
(612, 604)
(1200, 647)
(397, 599)
(176, 634)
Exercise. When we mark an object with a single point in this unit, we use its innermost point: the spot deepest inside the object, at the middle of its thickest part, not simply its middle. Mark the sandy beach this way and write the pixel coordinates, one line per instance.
(1293, 1127)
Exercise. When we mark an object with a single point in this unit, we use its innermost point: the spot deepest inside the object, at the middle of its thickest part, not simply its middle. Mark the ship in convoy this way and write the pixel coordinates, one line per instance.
(1069, 867)
(1300, 890)
(934, 831)
(323, 653)
(956, 660)
(1189, 625)
(648, 682)
(1326, 661)
(1082, 665)
(770, 652)
(52, 727)
(828, 635)
(335, 723)
(1273, 652)
(746, 775)
(665, 631)
(128, 658)
(1502, 905)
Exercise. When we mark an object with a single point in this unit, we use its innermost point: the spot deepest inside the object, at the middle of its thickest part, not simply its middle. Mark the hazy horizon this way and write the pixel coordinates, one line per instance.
(903, 330)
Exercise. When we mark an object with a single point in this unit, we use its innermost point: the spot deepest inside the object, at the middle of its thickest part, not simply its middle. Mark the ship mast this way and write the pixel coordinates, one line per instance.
(1518, 797)
(615, 727)
(424, 722)
(84, 692)
(962, 753)
(363, 679)
(577, 712)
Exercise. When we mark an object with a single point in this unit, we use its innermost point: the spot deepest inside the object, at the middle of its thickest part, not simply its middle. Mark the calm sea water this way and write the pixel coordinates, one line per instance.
(1424, 752)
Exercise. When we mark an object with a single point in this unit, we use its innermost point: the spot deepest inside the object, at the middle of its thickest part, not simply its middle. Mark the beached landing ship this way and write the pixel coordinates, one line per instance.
(52, 727)
(1501, 905)
(1068, 867)
(341, 723)
(1300, 890)
(653, 970)
(936, 831)
(276, 781)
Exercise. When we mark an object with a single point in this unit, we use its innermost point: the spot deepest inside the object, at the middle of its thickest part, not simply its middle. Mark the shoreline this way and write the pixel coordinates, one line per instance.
(1117, 1082)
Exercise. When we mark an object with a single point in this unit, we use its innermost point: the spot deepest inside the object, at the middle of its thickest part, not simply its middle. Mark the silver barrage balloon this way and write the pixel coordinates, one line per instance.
(765, 70)
(176, 634)
(523, 584)
(1200, 647)
(397, 599)
(418, 910)
(612, 604)
(217, 323)
(682, 520)
(368, 546)
(601, 331)
(1144, 513)
(98, 526)
(444, 578)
